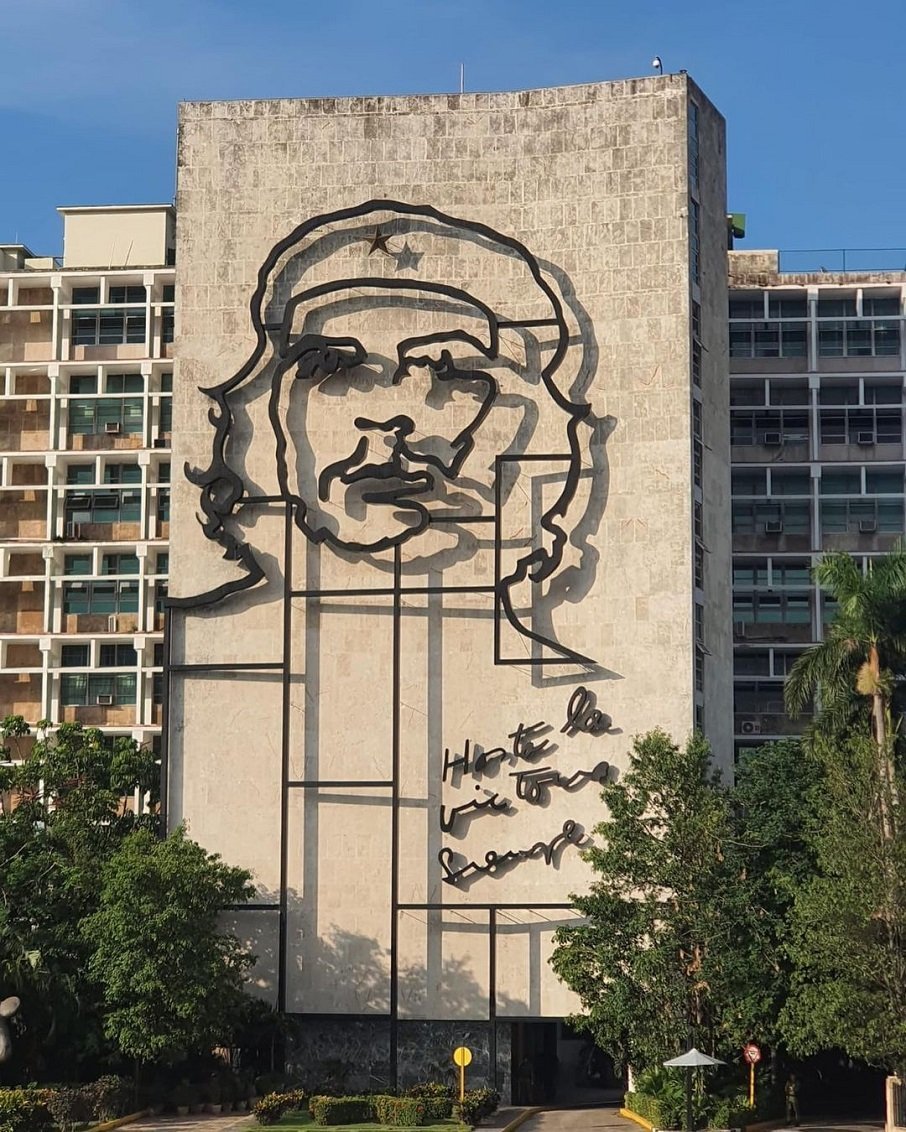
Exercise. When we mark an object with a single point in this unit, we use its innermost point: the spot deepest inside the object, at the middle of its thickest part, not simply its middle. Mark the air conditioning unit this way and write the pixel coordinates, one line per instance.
(750, 727)
(111, 623)
(773, 527)
(868, 526)
(739, 628)
(104, 701)
(161, 442)
(773, 439)
(112, 428)
(866, 439)
(73, 530)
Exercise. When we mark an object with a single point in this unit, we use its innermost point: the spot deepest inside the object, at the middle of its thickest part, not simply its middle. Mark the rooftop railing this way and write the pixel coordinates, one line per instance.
(801, 260)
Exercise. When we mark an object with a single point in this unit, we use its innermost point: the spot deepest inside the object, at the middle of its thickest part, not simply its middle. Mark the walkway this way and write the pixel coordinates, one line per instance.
(203, 1122)
(579, 1120)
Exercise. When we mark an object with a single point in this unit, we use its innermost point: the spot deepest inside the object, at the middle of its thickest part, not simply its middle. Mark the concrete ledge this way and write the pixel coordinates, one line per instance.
(108, 1125)
(521, 1119)
(636, 1119)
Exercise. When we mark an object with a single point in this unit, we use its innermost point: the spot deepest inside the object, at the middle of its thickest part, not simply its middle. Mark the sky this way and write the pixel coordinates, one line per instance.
(811, 89)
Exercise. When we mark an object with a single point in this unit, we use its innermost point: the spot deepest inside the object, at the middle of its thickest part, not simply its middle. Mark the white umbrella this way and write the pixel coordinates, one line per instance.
(693, 1059)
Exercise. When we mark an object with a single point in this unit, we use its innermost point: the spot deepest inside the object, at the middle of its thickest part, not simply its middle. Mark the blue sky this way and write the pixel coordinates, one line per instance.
(811, 89)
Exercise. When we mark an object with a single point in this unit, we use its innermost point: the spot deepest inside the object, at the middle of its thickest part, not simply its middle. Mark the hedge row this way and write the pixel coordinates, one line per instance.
(422, 1104)
(34, 1109)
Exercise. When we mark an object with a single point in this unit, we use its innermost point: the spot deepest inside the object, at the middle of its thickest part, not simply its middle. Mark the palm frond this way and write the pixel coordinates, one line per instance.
(826, 668)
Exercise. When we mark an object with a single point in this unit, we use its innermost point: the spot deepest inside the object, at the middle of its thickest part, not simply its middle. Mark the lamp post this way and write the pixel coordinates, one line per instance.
(691, 1059)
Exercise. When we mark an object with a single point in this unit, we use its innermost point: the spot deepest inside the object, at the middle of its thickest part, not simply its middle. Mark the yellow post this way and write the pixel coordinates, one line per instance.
(461, 1057)
(751, 1084)
(462, 1083)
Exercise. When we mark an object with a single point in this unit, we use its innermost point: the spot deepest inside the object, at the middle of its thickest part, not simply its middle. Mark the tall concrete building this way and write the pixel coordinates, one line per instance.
(451, 389)
(817, 362)
(85, 425)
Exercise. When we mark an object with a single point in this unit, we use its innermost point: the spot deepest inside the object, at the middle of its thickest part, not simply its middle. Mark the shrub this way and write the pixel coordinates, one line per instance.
(646, 1106)
(269, 1109)
(107, 1098)
(23, 1110)
(341, 1110)
(431, 1089)
(477, 1104)
(295, 1099)
(68, 1106)
(399, 1112)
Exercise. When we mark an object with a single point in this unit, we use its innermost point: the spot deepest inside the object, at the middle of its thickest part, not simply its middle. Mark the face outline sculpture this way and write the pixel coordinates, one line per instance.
(394, 464)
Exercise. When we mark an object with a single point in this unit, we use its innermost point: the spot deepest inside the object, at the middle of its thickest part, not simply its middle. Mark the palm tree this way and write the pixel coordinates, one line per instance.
(863, 650)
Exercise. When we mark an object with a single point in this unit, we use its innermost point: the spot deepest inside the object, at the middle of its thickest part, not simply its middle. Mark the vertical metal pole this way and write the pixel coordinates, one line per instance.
(492, 996)
(689, 1099)
(395, 824)
(165, 727)
(284, 751)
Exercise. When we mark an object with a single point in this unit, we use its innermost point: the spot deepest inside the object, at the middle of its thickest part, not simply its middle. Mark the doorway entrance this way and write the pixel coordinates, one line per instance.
(554, 1065)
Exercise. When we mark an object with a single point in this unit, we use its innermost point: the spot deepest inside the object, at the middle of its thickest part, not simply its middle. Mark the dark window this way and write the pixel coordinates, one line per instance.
(74, 656)
(119, 506)
(77, 564)
(83, 295)
(752, 663)
(81, 690)
(119, 564)
(100, 597)
(695, 241)
(83, 383)
(124, 383)
(132, 293)
(693, 145)
(108, 326)
(122, 473)
(163, 563)
(80, 474)
(117, 656)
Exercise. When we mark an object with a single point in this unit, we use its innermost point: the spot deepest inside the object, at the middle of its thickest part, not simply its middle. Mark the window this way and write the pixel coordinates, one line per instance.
(169, 293)
(750, 574)
(793, 482)
(789, 393)
(768, 428)
(841, 481)
(83, 690)
(163, 472)
(167, 325)
(119, 564)
(864, 427)
(747, 308)
(100, 597)
(160, 597)
(759, 518)
(117, 656)
(82, 383)
(862, 516)
(158, 654)
(772, 608)
(786, 572)
(157, 688)
(884, 481)
(132, 293)
(784, 661)
(696, 312)
(838, 393)
(82, 295)
(74, 656)
(699, 624)
(752, 663)
(77, 564)
(695, 241)
(166, 383)
(842, 335)
(696, 362)
(103, 506)
(883, 393)
(80, 474)
(693, 145)
(699, 566)
(122, 473)
(163, 507)
(122, 414)
(163, 563)
(124, 383)
(768, 339)
(873, 305)
(787, 308)
(747, 481)
(746, 393)
(698, 521)
(758, 697)
(107, 326)
(699, 670)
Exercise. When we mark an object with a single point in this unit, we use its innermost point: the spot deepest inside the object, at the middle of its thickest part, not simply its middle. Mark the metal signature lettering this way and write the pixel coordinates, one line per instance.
(494, 863)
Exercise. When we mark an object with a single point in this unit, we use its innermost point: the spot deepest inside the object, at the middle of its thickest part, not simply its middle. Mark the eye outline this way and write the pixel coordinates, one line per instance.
(318, 357)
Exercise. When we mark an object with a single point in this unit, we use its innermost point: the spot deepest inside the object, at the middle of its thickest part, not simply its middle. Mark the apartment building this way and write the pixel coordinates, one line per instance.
(817, 363)
(85, 424)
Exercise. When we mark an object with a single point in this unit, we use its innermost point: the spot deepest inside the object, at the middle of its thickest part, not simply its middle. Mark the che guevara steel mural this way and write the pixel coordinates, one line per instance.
(379, 384)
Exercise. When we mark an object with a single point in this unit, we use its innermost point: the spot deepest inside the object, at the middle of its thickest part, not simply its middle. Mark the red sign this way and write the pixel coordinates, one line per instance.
(751, 1053)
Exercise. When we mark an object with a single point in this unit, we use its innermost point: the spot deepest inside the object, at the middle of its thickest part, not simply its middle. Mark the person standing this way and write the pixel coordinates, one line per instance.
(791, 1091)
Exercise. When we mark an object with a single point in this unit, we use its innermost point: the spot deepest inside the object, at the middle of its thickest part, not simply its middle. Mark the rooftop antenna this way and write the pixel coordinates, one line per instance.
(657, 64)
(462, 78)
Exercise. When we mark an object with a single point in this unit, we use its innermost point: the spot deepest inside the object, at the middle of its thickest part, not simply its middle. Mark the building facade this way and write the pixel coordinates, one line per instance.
(817, 362)
(451, 393)
(85, 426)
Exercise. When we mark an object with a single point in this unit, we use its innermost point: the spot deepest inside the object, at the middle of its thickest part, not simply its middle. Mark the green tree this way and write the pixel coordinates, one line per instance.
(171, 979)
(64, 814)
(646, 963)
(769, 858)
(847, 939)
(863, 651)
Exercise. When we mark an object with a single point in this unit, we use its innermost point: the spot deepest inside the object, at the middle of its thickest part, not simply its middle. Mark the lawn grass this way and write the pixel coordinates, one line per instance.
(291, 1121)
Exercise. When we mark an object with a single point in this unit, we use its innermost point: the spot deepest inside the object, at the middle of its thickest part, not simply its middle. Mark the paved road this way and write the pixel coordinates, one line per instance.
(579, 1120)
(233, 1122)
